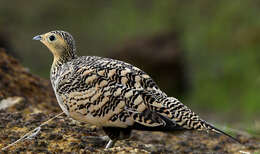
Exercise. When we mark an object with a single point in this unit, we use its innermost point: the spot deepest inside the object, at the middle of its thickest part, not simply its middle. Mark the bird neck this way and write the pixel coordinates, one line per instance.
(64, 57)
(58, 61)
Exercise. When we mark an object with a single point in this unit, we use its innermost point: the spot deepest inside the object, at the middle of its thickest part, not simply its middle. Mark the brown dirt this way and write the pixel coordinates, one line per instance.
(15, 80)
(63, 135)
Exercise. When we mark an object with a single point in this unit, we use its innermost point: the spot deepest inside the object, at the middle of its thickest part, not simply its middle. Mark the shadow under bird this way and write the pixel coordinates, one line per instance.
(112, 94)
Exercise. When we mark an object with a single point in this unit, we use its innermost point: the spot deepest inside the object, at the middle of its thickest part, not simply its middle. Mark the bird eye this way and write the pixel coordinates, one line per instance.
(52, 38)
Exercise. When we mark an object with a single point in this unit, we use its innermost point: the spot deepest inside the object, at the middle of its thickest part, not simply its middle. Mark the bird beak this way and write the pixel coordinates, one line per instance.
(38, 37)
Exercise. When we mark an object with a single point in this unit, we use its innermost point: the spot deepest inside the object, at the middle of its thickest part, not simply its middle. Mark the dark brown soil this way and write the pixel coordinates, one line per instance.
(35, 103)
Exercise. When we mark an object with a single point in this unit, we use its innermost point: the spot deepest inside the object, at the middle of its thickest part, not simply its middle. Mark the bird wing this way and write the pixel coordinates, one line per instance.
(118, 82)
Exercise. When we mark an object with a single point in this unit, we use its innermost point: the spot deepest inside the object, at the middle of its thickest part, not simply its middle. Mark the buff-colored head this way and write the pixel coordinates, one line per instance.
(60, 43)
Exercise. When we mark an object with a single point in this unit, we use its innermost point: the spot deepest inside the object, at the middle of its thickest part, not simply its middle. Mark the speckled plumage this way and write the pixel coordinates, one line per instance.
(113, 94)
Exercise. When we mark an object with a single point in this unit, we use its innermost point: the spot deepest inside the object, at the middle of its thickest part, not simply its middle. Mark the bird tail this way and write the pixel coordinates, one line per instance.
(184, 117)
(212, 128)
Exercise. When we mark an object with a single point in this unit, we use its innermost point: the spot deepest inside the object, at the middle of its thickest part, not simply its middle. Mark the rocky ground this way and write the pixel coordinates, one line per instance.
(26, 101)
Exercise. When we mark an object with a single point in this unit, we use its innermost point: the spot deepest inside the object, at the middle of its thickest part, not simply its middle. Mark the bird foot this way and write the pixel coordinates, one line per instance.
(101, 140)
(98, 140)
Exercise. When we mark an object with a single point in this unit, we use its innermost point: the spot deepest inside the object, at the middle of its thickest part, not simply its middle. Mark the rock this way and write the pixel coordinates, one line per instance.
(10, 101)
(16, 81)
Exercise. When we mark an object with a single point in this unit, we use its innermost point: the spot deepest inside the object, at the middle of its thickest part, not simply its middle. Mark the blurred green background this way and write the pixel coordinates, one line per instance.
(220, 40)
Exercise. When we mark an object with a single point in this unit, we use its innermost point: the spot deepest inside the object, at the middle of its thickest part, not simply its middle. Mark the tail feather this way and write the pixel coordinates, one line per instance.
(184, 117)
(210, 127)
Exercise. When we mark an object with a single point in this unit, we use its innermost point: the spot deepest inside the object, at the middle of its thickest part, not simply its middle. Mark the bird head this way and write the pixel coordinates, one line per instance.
(60, 43)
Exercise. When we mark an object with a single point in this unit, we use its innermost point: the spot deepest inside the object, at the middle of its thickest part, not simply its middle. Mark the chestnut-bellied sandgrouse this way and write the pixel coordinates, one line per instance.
(112, 94)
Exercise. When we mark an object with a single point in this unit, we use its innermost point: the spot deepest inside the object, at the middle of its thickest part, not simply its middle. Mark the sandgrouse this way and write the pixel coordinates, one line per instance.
(112, 94)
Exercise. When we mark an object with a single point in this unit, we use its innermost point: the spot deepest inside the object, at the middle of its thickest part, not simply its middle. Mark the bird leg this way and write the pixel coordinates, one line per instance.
(115, 133)
(110, 143)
